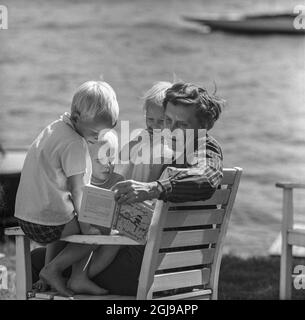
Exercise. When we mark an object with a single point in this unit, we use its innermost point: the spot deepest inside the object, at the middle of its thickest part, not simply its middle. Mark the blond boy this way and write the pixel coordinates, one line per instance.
(56, 168)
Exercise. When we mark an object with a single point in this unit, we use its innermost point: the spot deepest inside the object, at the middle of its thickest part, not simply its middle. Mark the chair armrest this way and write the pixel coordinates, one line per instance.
(288, 185)
(14, 231)
(85, 239)
(101, 240)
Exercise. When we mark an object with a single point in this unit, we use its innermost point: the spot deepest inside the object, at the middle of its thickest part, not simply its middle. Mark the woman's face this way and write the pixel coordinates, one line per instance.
(181, 117)
(183, 123)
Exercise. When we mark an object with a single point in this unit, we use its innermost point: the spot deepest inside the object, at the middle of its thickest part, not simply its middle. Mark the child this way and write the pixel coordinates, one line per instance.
(56, 168)
(154, 116)
(103, 176)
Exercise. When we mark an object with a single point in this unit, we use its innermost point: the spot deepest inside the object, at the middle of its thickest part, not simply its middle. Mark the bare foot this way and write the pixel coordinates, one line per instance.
(83, 285)
(56, 280)
(40, 286)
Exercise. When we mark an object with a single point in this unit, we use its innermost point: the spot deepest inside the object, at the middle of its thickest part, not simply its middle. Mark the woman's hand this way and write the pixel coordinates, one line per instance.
(130, 191)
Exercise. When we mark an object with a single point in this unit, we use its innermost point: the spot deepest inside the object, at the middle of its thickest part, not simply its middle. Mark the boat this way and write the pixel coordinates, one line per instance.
(11, 163)
(275, 23)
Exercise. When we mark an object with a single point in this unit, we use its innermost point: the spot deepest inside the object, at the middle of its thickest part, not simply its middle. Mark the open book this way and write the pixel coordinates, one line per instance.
(99, 208)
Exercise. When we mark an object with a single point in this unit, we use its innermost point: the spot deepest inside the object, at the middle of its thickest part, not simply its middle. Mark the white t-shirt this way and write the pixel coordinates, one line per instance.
(57, 153)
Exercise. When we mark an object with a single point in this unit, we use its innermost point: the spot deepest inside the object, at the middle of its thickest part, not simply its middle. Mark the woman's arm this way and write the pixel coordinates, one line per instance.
(197, 182)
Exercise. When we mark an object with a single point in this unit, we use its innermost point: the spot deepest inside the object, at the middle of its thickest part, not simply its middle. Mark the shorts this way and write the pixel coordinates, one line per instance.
(40, 233)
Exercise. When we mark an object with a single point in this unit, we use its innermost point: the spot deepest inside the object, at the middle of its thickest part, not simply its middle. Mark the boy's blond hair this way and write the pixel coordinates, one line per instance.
(156, 94)
(95, 99)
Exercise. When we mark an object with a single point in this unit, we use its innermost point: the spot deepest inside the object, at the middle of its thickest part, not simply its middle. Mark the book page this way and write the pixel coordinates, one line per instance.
(134, 220)
(98, 206)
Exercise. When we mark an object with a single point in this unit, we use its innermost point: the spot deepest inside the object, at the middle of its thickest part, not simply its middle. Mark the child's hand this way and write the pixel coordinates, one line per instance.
(86, 228)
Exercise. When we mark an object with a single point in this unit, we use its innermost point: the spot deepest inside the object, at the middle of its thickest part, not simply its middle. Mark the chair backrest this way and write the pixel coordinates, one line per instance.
(184, 246)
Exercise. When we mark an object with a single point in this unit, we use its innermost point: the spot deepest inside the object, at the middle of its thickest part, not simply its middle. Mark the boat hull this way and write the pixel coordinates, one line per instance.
(253, 25)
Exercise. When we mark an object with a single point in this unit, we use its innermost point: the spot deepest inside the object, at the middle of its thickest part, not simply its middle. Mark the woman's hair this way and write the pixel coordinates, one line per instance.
(95, 99)
(209, 106)
(156, 94)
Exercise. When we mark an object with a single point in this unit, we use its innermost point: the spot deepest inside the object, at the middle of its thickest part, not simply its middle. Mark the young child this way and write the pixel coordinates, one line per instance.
(56, 168)
(154, 117)
(103, 176)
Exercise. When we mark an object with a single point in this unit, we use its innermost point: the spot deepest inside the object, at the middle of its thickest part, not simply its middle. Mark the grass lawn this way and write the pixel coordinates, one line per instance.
(241, 279)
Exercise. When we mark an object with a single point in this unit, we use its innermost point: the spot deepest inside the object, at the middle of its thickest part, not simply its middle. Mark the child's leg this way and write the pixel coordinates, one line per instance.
(52, 250)
(80, 279)
(52, 273)
(71, 253)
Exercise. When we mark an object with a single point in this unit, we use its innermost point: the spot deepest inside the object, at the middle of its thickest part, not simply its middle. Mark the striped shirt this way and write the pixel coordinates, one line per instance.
(196, 181)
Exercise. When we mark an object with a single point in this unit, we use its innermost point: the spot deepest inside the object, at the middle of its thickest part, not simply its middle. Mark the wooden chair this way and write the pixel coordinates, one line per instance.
(290, 237)
(183, 251)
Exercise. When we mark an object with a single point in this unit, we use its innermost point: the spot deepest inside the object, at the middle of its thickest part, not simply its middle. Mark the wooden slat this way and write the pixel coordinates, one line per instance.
(228, 176)
(286, 256)
(204, 297)
(220, 196)
(186, 218)
(183, 279)
(51, 295)
(296, 237)
(189, 295)
(23, 267)
(101, 240)
(14, 231)
(90, 297)
(85, 239)
(289, 185)
(185, 258)
(171, 239)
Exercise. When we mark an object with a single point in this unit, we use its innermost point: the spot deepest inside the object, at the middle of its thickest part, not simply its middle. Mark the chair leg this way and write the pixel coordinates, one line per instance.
(23, 267)
(286, 272)
(286, 257)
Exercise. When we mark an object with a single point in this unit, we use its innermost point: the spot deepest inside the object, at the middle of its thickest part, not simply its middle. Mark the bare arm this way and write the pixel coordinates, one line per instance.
(75, 185)
(193, 183)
